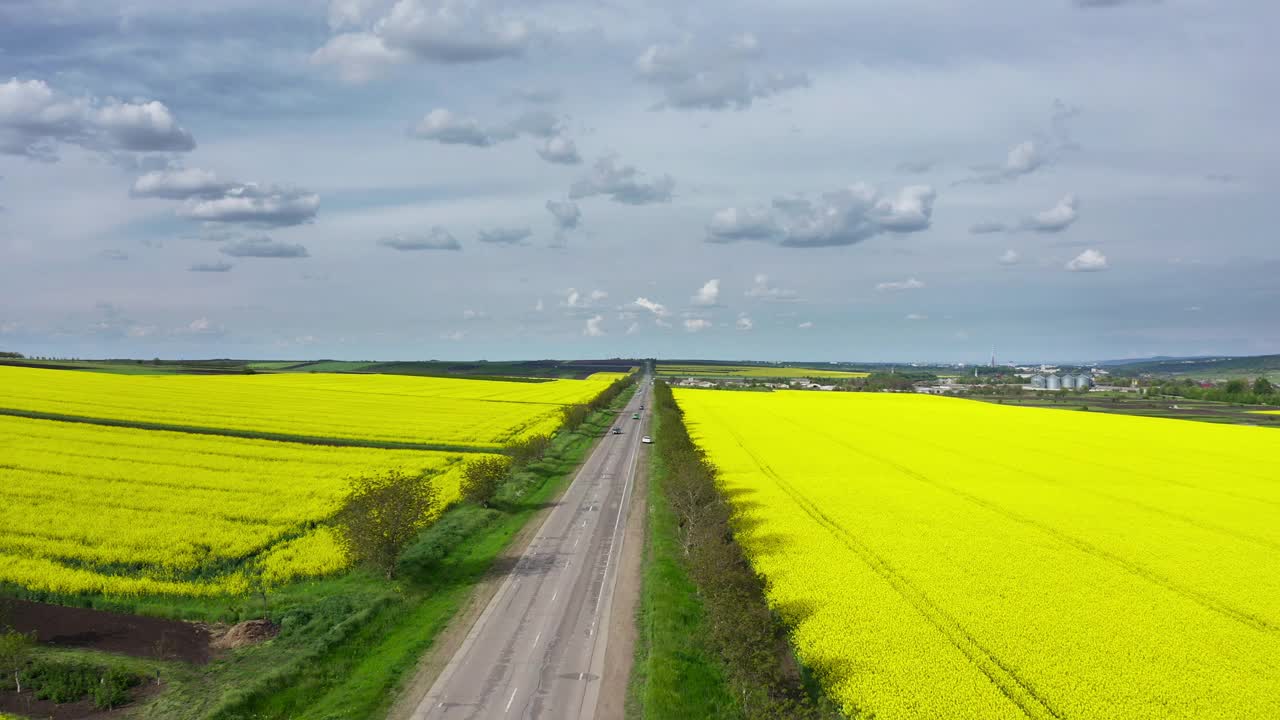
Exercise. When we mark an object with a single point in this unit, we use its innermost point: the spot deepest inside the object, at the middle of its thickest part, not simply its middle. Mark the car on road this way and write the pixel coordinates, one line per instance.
(635, 416)
(642, 407)
(646, 440)
(617, 431)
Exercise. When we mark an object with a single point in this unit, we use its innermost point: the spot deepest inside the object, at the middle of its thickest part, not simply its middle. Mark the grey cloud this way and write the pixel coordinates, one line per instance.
(264, 247)
(712, 78)
(1055, 219)
(842, 217)
(449, 128)
(113, 254)
(560, 150)
(211, 267)
(436, 239)
(256, 205)
(567, 214)
(987, 227)
(35, 119)
(505, 236)
(623, 184)
(437, 31)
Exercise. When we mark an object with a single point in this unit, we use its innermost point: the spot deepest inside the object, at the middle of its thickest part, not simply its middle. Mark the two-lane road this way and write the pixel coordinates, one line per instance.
(537, 650)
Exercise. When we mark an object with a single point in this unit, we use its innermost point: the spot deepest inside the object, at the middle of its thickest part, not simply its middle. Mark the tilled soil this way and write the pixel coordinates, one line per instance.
(134, 635)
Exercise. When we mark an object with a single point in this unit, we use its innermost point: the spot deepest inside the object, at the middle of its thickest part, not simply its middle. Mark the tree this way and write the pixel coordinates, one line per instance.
(381, 514)
(482, 478)
(1235, 387)
(1263, 386)
(14, 650)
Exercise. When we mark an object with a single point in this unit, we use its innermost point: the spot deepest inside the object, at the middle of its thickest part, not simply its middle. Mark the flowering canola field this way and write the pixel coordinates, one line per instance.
(943, 558)
(479, 413)
(119, 511)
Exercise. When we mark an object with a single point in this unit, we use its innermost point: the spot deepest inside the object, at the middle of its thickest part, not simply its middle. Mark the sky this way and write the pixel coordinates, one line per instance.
(843, 180)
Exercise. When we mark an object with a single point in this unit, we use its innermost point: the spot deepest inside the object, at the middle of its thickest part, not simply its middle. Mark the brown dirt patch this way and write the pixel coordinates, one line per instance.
(134, 635)
(243, 634)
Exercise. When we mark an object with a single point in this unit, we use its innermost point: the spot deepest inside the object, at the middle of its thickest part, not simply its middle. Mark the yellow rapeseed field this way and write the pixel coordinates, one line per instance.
(951, 559)
(119, 511)
(481, 413)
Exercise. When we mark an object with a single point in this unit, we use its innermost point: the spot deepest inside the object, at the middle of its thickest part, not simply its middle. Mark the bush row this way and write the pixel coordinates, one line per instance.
(748, 637)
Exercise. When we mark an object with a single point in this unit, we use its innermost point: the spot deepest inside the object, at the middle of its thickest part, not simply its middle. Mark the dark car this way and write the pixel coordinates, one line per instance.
(617, 431)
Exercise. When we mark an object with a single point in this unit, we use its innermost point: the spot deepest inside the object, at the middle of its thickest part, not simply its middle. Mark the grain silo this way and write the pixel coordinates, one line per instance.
(1053, 382)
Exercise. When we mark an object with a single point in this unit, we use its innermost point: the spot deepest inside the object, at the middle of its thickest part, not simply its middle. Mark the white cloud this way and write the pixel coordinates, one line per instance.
(180, 184)
(744, 322)
(1055, 219)
(264, 247)
(734, 223)
(448, 128)
(538, 306)
(453, 335)
(469, 314)
(806, 325)
(761, 288)
(593, 327)
(694, 325)
(560, 150)
(437, 31)
(842, 217)
(908, 284)
(712, 78)
(435, 239)
(114, 254)
(917, 316)
(708, 294)
(1088, 261)
(623, 184)
(35, 119)
(253, 204)
(1010, 257)
(575, 299)
(656, 308)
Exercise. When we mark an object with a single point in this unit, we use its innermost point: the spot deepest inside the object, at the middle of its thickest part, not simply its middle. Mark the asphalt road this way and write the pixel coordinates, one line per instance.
(538, 649)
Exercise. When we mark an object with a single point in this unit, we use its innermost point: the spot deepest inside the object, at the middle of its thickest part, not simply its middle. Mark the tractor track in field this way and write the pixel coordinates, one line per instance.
(1018, 690)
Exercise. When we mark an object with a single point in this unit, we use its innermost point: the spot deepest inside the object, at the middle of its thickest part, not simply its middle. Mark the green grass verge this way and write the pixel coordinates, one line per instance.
(247, 434)
(674, 675)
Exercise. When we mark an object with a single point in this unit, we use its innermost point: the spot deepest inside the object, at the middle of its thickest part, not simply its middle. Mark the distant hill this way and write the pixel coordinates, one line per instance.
(1249, 365)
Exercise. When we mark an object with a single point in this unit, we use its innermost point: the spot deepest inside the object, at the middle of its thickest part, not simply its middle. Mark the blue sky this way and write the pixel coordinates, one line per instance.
(821, 179)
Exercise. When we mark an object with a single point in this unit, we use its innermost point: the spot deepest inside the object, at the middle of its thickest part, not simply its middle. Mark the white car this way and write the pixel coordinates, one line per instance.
(646, 440)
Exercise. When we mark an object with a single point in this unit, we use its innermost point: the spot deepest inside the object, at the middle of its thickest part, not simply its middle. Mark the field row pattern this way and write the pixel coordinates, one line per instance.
(118, 511)
(386, 408)
(942, 558)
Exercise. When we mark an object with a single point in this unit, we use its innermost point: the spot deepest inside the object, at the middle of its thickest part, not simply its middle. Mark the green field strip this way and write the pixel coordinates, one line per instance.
(249, 434)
